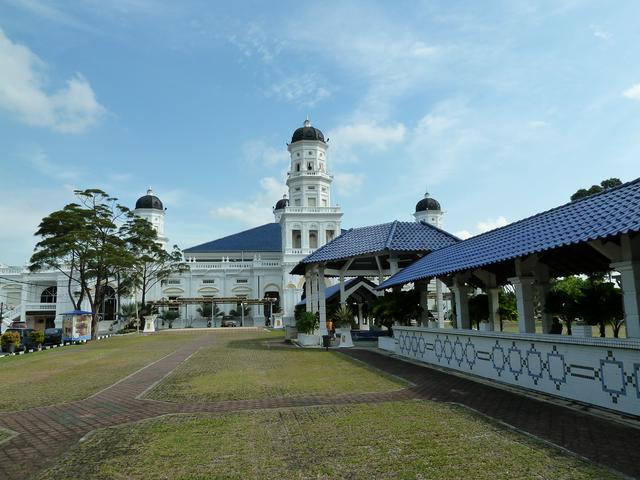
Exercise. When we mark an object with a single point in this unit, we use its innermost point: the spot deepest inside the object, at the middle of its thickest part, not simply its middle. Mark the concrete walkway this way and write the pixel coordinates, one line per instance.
(45, 433)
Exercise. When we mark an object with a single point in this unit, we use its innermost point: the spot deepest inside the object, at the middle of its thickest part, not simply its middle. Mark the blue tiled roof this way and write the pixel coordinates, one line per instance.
(394, 236)
(265, 238)
(607, 214)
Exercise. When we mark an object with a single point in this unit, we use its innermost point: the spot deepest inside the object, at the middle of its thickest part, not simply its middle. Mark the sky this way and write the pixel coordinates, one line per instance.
(499, 109)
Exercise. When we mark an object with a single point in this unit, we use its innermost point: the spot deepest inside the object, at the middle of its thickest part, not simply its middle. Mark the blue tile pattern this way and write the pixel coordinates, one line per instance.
(612, 212)
(394, 236)
(598, 375)
(265, 238)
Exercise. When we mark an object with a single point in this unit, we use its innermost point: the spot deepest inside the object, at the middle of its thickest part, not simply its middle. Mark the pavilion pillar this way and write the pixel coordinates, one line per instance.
(360, 315)
(439, 303)
(422, 287)
(307, 282)
(322, 302)
(393, 264)
(343, 296)
(630, 279)
(493, 294)
(547, 318)
(313, 288)
(524, 301)
(461, 293)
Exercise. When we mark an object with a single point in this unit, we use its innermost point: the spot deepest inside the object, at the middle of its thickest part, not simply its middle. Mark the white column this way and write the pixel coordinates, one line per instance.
(493, 294)
(343, 296)
(360, 317)
(322, 307)
(393, 264)
(439, 304)
(630, 278)
(461, 293)
(524, 301)
(307, 282)
(422, 287)
(547, 318)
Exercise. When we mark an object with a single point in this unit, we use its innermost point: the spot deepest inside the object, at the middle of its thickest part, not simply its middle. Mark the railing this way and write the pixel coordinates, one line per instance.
(310, 173)
(199, 266)
(312, 209)
(30, 307)
(299, 251)
(10, 315)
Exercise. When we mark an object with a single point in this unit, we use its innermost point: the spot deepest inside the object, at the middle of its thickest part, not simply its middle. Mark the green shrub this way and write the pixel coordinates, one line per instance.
(343, 317)
(306, 322)
(10, 338)
(36, 337)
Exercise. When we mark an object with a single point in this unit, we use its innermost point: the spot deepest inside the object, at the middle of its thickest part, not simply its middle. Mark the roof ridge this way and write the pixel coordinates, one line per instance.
(387, 244)
(434, 227)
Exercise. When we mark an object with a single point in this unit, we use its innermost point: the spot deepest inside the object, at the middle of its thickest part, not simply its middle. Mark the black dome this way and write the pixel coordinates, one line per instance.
(427, 203)
(282, 203)
(307, 132)
(149, 201)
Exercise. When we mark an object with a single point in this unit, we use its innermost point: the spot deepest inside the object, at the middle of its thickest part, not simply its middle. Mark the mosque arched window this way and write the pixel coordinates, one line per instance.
(108, 308)
(313, 239)
(49, 295)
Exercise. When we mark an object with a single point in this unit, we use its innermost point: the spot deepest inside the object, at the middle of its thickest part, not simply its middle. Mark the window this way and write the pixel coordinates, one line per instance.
(173, 282)
(313, 239)
(108, 307)
(311, 188)
(322, 167)
(296, 238)
(242, 280)
(311, 201)
(310, 166)
(297, 189)
(298, 154)
(324, 202)
(324, 189)
(310, 153)
(296, 202)
(49, 295)
(208, 280)
(330, 234)
(297, 167)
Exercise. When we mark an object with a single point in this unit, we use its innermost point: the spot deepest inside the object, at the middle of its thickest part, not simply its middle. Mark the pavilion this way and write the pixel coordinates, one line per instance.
(372, 251)
(594, 234)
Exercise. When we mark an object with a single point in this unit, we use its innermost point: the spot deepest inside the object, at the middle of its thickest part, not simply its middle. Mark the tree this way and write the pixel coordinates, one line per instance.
(154, 264)
(604, 185)
(601, 304)
(507, 309)
(205, 311)
(89, 242)
(401, 307)
(564, 300)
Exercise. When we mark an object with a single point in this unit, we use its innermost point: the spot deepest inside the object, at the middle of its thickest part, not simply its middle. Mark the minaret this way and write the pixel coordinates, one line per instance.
(307, 218)
(150, 208)
(428, 210)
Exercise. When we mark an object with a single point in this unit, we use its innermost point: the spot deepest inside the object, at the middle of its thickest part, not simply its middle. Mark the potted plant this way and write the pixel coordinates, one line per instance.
(343, 321)
(307, 323)
(10, 341)
(170, 316)
(36, 338)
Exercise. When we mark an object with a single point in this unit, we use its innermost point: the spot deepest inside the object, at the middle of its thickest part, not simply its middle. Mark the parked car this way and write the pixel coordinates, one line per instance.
(52, 336)
(229, 323)
(25, 341)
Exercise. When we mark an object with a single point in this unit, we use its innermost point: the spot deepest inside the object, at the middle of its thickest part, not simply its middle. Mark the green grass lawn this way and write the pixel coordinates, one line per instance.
(75, 372)
(250, 365)
(411, 439)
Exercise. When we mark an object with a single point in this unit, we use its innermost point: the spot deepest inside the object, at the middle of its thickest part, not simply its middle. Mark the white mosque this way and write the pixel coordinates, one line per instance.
(253, 264)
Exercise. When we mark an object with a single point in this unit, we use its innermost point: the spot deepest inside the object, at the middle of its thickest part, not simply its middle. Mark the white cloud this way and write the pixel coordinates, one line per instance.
(259, 153)
(537, 124)
(304, 90)
(348, 142)
(348, 184)
(41, 162)
(600, 33)
(71, 109)
(633, 92)
(256, 210)
(483, 226)
(491, 223)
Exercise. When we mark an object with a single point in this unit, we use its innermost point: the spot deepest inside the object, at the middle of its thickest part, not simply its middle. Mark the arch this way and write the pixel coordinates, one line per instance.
(108, 308)
(172, 291)
(208, 290)
(49, 295)
(271, 287)
(241, 290)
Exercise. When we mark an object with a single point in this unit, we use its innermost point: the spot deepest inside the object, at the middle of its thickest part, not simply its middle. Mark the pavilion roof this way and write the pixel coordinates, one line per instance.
(562, 234)
(395, 236)
(265, 238)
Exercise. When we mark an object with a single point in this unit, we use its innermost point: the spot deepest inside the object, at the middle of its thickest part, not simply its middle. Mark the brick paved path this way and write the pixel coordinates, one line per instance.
(44, 433)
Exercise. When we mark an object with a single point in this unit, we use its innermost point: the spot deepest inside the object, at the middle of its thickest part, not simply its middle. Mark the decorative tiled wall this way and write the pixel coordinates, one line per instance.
(602, 372)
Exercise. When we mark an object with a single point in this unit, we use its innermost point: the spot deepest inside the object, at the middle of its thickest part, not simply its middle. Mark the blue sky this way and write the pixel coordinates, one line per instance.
(500, 109)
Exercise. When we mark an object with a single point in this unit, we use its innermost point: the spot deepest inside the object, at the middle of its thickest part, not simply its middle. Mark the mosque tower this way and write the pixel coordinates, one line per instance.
(150, 208)
(307, 218)
(428, 210)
